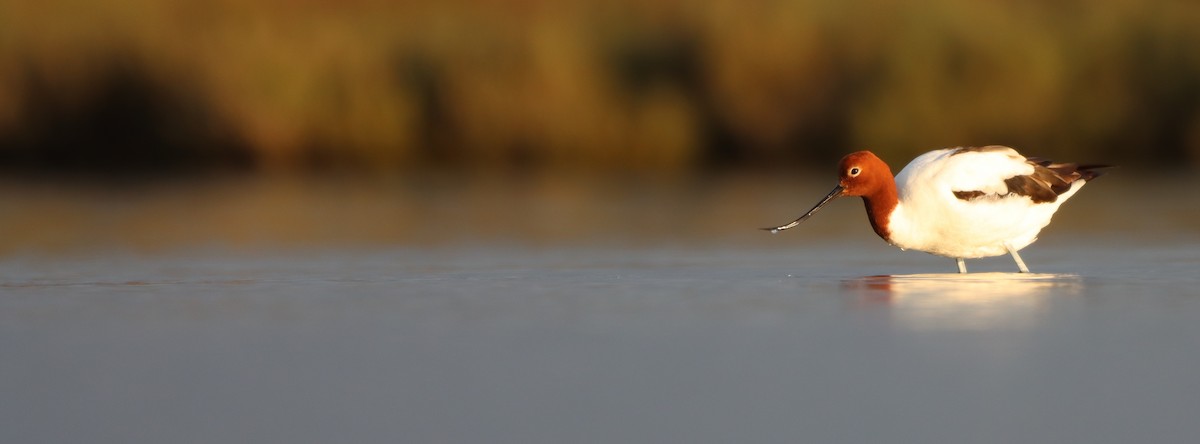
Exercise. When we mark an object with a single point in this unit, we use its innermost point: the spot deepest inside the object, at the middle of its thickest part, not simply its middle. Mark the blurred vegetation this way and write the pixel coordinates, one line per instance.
(621, 84)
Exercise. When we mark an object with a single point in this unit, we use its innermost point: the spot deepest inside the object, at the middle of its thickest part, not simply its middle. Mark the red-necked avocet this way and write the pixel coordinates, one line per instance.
(962, 203)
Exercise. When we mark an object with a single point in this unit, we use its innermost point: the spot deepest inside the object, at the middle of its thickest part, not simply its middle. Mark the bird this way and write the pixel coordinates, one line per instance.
(962, 202)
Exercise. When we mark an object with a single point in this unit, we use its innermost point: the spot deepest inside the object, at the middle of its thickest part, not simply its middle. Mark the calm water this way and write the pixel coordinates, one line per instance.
(841, 341)
(548, 311)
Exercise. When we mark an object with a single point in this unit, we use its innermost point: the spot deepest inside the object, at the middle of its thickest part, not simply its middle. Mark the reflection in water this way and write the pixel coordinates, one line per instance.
(973, 301)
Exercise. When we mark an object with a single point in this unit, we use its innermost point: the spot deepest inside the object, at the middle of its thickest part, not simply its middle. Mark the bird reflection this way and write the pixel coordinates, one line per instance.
(976, 301)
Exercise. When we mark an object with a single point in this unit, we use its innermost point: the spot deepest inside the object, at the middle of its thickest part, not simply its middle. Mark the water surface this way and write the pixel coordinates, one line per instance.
(536, 309)
(842, 340)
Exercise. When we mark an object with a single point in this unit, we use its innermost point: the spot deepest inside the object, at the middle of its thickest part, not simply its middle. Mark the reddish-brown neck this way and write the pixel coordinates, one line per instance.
(880, 203)
(863, 174)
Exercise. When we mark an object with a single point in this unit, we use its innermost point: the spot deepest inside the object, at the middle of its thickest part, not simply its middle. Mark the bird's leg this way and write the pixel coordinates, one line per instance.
(1016, 257)
(962, 265)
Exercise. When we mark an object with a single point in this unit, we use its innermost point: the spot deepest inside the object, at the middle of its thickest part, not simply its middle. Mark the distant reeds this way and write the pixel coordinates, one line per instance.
(667, 84)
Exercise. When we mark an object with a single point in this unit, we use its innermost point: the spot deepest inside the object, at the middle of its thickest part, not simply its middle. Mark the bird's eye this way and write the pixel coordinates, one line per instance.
(854, 171)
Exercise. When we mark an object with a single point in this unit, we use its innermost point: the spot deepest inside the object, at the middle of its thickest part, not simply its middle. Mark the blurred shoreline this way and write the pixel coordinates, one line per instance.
(665, 85)
(149, 125)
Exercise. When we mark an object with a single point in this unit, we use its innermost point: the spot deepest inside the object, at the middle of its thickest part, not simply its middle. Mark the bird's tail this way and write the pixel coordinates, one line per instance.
(1071, 172)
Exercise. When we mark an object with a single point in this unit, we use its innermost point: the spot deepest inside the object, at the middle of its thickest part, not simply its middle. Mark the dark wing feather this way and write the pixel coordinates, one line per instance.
(1048, 181)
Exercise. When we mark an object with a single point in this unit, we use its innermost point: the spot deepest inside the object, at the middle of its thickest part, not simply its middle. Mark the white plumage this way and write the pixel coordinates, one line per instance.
(928, 216)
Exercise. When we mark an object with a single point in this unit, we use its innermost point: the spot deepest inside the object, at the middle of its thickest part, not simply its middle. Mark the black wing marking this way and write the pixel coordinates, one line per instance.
(1048, 181)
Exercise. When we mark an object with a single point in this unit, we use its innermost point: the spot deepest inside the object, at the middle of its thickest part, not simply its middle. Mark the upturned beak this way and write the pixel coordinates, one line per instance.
(836, 193)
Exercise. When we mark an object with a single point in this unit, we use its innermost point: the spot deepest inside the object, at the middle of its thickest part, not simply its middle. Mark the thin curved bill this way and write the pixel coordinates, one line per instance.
(836, 193)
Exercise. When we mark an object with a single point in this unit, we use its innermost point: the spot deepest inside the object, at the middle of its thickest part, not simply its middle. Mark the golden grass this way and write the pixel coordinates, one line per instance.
(669, 84)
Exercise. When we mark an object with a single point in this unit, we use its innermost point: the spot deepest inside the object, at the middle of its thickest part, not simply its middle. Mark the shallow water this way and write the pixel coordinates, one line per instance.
(535, 309)
(834, 340)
